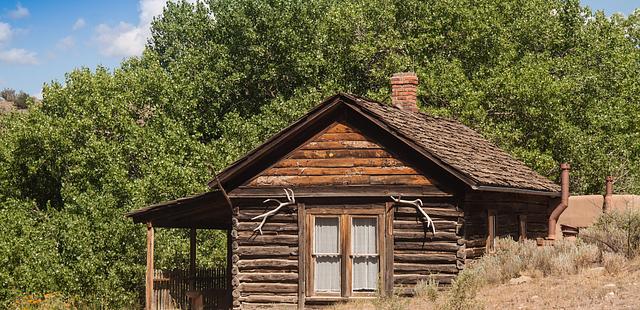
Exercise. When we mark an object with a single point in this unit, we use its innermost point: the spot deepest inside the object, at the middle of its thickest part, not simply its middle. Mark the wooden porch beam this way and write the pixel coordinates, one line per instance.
(192, 259)
(230, 274)
(149, 273)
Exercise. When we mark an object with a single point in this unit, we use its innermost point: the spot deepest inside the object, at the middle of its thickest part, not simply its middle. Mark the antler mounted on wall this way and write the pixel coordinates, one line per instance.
(291, 201)
(418, 205)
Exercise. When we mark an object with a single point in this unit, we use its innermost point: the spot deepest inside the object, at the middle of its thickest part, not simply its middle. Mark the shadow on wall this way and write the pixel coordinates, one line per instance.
(584, 210)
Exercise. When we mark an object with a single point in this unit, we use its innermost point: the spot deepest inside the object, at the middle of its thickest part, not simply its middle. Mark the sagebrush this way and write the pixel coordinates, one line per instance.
(617, 231)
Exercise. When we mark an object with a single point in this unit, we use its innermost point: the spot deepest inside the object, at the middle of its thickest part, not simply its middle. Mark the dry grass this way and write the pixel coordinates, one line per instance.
(614, 263)
(513, 259)
(427, 289)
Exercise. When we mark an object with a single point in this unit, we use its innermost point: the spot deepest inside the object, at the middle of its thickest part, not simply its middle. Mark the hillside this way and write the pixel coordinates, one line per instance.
(6, 107)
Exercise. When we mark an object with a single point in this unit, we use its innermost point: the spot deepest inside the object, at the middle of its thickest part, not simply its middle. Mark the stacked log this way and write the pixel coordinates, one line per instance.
(268, 263)
(419, 254)
(507, 208)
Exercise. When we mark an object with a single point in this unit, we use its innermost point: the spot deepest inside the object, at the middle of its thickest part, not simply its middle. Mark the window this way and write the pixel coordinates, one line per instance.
(491, 227)
(345, 255)
(364, 246)
(326, 254)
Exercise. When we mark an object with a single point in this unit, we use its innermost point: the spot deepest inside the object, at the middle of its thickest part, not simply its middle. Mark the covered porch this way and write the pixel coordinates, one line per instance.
(193, 288)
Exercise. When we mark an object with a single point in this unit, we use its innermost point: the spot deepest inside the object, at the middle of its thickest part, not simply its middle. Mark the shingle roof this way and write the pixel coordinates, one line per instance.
(459, 147)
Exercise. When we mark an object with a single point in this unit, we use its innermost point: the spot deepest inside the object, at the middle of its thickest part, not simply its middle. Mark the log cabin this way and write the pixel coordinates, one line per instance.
(359, 198)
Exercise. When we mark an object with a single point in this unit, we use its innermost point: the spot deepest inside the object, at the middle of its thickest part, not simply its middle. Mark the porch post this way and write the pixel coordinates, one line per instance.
(192, 260)
(230, 266)
(149, 274)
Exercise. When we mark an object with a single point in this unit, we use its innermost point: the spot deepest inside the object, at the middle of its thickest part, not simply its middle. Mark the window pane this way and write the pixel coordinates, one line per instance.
(326, 235)
(363, 236)
(365, 249)
(365, 273)
(327, 275)
(326, 248)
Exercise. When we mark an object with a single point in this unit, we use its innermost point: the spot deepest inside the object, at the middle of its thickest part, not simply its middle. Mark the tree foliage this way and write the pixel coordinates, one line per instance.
(547, 80)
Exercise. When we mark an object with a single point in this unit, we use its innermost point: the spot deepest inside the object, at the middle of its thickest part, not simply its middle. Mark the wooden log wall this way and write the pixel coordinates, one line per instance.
(340, 156)
(233, 258)
(267, 264)
(419, 254)
(507, 208)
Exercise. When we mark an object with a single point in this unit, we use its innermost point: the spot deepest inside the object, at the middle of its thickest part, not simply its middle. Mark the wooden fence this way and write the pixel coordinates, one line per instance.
(171, 288)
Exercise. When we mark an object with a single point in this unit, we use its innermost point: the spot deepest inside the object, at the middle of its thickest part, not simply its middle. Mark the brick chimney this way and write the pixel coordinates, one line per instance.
(404, 89)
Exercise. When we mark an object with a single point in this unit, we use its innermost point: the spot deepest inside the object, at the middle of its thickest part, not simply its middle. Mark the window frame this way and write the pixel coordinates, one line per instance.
(345, 214)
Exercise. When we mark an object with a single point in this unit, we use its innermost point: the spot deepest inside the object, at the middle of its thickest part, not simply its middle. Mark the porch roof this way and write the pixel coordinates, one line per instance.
(208, 210)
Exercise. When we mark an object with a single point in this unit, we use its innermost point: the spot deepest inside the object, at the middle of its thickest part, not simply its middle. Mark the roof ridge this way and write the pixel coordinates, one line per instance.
(386, 105)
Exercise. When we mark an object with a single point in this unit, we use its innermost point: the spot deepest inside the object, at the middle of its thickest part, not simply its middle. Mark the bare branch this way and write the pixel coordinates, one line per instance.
(418, 205)
(291, 200)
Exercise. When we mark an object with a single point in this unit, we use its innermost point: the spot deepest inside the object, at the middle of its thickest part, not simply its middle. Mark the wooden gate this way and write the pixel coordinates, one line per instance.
(171, 288)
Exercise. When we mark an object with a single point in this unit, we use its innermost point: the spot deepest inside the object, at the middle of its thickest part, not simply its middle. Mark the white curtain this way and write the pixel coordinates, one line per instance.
(365, 254)
(326, 250)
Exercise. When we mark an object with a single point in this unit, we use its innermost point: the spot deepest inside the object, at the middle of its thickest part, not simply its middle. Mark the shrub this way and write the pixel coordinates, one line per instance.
(613, 263)
(617, 232)
(22, 100)
(462, 294)
(513, 259)
(8, 94)
(427, 289)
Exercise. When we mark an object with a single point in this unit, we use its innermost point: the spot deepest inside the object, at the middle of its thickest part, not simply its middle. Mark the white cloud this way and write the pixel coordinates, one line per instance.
(79, 24)
(126, 39)
(18, 56)
(5, 32)
(66, 43)
(122, 40)
(19, 12)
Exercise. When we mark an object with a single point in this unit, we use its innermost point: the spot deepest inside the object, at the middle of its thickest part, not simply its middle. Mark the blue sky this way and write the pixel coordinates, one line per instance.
(41, 40)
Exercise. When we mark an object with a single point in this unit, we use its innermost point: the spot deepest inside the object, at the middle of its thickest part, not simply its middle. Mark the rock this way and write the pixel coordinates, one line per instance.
(520, 280)
(610, 285)
(596, 271)
(610, 295)
(534, 298)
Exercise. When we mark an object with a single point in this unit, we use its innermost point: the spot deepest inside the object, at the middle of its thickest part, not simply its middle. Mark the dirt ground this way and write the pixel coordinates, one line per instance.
(592, 289)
